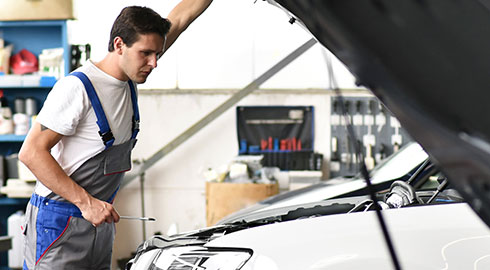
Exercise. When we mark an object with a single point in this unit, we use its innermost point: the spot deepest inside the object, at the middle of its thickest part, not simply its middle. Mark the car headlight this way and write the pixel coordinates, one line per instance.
(194, 258)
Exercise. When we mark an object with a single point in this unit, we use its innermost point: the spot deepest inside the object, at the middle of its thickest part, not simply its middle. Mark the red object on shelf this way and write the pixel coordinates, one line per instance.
(263, 144)
(283, 145)
(24, 62)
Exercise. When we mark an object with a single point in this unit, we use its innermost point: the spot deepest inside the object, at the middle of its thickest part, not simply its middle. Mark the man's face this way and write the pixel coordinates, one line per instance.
(140, 59)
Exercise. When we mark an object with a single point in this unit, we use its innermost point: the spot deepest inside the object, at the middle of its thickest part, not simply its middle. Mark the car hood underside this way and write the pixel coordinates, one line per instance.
(428, 62)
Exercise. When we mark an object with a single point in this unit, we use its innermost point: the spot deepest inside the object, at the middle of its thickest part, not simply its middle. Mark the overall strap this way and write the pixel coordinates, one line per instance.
(104, 129)
(136, 113)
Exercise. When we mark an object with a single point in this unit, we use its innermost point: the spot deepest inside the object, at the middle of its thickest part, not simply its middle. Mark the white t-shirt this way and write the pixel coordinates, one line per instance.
(67, 110)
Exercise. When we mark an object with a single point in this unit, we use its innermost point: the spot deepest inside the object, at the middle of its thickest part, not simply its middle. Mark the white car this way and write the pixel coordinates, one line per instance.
(428, 62)
(323, 235)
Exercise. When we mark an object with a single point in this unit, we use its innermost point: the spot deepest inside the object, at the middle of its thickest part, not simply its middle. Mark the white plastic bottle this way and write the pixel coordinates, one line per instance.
(6, 122)
(21, 123)
(16, 253)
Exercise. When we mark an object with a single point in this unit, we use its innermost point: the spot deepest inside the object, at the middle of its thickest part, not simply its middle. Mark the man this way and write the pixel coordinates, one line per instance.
(80, 145)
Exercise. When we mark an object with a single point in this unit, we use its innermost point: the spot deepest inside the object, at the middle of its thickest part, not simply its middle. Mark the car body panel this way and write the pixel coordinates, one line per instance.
(426, 237)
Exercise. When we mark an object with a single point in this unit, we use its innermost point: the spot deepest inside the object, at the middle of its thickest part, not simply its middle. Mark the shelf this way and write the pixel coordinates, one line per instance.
(13, 201)
(12, 138)
(26, 81)
(3, 87)
(32, 23)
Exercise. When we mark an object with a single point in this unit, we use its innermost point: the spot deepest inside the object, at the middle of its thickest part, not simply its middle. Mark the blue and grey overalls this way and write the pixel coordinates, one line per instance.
(56, 234)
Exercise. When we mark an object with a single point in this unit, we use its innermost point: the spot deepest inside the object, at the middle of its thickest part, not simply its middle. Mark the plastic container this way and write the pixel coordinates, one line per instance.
(31, 106)
(14, 228)
(19, 105)
(6, 122)
(21, 123)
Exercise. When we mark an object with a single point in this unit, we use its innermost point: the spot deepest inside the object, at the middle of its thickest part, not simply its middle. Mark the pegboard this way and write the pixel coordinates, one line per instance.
(377, 131)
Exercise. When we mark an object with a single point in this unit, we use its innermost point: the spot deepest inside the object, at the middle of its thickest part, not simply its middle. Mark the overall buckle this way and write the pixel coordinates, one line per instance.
(106, 137)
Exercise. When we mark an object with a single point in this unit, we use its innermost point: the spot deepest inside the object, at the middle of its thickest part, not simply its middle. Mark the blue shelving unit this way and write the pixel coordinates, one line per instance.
(36, 36)
(33, 36)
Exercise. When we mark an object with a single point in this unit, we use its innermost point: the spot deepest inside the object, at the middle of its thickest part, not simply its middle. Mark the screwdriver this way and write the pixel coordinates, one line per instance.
(138, 218)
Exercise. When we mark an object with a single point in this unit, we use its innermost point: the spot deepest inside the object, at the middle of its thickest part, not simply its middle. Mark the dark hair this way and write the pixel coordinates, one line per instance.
(136, 20)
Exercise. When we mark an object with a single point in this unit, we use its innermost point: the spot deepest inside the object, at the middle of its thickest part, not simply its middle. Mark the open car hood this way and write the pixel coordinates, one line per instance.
(429, 63)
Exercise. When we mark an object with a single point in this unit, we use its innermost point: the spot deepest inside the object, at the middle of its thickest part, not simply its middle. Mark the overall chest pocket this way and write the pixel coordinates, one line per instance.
(118, 158)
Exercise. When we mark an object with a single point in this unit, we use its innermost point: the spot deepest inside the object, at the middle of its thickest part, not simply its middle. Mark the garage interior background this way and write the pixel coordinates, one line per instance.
(229, 46)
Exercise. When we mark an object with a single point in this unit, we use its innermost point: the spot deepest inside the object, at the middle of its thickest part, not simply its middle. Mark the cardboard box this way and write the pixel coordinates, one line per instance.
(223, 199)
(21, 10)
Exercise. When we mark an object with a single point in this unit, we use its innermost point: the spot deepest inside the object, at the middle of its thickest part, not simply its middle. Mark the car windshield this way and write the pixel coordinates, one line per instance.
(394, 167)
(398, 164)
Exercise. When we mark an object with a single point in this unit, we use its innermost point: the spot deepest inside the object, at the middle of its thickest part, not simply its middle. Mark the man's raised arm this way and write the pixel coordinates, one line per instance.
(182, 16)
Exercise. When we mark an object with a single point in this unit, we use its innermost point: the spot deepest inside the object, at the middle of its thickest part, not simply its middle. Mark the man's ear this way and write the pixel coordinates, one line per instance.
(118, 45)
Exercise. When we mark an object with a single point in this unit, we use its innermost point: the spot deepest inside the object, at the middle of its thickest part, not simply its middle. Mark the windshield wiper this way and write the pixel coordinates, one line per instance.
(318, 210)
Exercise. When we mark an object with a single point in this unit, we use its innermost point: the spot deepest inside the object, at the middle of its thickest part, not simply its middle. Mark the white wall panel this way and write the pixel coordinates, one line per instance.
(216, 51)
(231, 44)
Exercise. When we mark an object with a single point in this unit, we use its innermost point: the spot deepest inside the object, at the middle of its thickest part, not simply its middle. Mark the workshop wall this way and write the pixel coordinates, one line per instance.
(231, 44)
